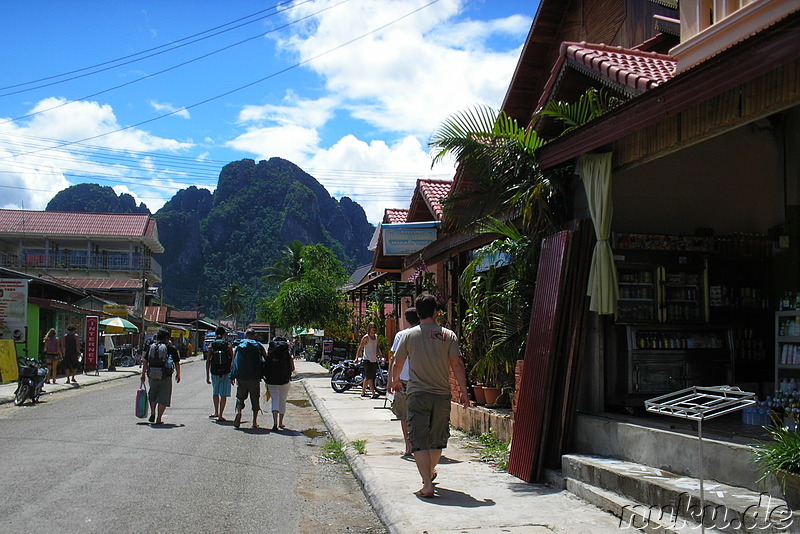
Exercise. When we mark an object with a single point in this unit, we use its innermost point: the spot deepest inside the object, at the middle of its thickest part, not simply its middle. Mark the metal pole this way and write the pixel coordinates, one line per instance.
(702, 475)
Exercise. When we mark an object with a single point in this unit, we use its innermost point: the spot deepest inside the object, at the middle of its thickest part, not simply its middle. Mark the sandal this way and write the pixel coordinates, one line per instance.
(420, 493)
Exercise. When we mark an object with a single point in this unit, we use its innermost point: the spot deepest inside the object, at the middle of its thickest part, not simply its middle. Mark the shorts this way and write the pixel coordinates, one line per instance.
(428, 421)
(52, 358)
(71, 361)
(251, 388)
(370, 370)
(400, 404)
(160, 391)
(221, 385)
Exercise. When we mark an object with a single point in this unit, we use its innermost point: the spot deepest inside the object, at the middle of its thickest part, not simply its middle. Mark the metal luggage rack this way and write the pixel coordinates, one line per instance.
(699, 402)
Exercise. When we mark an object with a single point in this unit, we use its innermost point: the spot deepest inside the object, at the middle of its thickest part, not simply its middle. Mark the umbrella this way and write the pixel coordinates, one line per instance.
(117, 325)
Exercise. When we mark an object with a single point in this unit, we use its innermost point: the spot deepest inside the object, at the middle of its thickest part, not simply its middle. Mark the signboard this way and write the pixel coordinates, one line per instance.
(118, 310)
(401, 241)
(176, 333)
(13, 309)
(92, 338)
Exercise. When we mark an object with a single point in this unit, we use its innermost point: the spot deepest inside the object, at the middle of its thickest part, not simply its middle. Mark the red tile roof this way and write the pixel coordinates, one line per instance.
(429, 193)
(636, 69)
(156, 314)
(63, 223)
(104, 283)
(394, 216)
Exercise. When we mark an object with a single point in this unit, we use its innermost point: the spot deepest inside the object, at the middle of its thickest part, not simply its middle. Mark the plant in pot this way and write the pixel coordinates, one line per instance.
(780, 458)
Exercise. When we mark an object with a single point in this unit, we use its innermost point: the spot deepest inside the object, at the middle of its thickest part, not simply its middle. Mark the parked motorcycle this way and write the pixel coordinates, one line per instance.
(32, 375)
(347, 374)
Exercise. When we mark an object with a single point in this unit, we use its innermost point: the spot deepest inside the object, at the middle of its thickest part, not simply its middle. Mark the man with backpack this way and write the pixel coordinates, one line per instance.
(219, 359)
(160, 361)
(248, 363)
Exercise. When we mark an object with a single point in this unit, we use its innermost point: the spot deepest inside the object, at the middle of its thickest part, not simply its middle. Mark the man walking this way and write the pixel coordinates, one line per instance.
(400, 403)
(219, 359)
(247, 368)
(432, 351)
(159, 363)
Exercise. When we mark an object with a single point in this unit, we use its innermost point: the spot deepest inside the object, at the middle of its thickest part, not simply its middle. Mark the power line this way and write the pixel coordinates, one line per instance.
(170, 47)
(240, 88)
(168, 69)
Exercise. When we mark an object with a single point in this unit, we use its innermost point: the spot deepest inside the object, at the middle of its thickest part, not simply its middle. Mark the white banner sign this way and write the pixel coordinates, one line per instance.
(13, 308)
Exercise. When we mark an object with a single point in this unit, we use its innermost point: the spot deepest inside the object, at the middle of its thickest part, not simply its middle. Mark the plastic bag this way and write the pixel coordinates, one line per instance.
(141, 402)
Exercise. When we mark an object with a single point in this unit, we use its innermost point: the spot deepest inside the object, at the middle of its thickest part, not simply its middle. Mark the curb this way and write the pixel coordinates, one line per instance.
(356, 463)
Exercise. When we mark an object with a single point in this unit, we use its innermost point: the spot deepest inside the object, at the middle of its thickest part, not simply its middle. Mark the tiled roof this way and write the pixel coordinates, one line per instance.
(104, 283)
(636, 69)
(178, 315)
(428, 195)
(394, 216)
(156, 314)
(83, 224)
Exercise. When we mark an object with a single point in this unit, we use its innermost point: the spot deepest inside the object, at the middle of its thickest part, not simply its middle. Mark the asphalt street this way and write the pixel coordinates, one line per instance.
(81, 462)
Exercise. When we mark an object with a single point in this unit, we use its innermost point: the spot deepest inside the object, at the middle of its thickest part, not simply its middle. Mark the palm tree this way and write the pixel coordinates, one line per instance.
(289, 267)
(232, 302)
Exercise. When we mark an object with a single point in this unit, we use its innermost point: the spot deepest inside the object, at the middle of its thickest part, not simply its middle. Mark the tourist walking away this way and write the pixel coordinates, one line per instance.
(369, 351)
(219, 358)
(432, 352)
(247, 370)
(399, 402)
(160, 363)
(71, 343)
(52, 353)
(277, 375)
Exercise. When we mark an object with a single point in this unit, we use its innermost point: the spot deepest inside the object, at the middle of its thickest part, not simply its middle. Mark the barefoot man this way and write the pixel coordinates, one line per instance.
(432, 351)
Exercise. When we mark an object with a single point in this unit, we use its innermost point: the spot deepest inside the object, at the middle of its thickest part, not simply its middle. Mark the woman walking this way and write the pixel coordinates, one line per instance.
(277, 374)
(52, 353)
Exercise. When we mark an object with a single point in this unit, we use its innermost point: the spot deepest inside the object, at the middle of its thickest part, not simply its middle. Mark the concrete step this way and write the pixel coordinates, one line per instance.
(658, 501)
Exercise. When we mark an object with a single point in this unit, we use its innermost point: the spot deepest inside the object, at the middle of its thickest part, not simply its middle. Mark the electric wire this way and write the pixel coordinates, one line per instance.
(240, 88)
(169, 46)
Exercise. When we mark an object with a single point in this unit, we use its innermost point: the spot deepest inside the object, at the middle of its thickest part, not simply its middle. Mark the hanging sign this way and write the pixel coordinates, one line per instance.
(404, 239)
(13, 309)
(92, 338)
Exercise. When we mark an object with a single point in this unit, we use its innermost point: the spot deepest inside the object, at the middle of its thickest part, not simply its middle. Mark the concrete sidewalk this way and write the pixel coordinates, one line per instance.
(472, 496)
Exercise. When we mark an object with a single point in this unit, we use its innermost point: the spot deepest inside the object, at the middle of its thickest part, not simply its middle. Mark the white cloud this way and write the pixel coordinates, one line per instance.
(31, 172)
(164, 107)
(292, 142)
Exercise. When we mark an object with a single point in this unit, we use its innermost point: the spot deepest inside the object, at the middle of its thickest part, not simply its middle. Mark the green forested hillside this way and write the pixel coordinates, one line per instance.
(93, 198)
(212, 240)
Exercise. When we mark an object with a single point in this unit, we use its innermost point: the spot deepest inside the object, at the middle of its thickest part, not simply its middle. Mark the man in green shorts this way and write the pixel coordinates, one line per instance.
(432, 351)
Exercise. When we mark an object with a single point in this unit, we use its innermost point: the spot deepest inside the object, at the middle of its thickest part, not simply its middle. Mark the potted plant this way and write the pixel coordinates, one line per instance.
(780, 458)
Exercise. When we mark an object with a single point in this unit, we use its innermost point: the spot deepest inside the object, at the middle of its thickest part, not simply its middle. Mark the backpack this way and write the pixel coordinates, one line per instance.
(250, 359)
(277, 369)
(159, 361)
(220, 358)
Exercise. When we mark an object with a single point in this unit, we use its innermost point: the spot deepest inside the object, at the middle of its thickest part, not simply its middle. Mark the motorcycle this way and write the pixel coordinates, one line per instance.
(32, 375)
(347, 374)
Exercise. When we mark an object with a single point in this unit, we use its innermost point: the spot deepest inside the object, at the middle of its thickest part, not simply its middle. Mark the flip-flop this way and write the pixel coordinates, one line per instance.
(221, 419)
(422, 495)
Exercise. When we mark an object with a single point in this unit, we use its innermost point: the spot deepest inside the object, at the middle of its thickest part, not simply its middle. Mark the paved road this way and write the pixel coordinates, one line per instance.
(81, 462)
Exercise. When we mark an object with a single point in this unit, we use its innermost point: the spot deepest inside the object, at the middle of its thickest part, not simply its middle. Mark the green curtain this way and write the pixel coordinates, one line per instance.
(595, 171)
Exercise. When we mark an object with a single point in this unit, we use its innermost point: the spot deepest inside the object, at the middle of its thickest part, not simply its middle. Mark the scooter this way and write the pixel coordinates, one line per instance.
(32, 375)
(346, 374)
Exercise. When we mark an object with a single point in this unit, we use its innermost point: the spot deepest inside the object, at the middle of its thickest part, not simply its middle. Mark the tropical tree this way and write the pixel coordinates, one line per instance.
(289, 266)
(313, 299)
(232, 300)
(501, 183)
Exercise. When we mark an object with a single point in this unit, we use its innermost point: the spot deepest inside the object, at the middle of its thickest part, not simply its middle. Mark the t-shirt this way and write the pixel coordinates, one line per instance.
(428, 348)
(395, 344)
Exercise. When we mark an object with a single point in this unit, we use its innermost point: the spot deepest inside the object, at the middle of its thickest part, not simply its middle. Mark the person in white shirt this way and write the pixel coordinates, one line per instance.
(369, 351)
(399, 402)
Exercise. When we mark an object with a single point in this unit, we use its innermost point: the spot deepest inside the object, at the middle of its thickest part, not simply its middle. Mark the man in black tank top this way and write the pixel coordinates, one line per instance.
(72, 350)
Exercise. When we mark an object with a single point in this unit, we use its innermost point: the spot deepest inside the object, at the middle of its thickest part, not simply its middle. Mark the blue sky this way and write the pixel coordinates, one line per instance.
(144, 97)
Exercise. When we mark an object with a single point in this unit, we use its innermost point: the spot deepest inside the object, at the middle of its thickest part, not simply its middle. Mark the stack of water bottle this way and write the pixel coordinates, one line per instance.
(783, 407)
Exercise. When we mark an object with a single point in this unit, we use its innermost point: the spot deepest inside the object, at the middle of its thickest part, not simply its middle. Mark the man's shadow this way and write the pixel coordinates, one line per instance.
(448, 497)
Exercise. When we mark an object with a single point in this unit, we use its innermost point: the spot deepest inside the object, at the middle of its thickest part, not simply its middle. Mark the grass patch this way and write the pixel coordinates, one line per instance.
(333, 449)
(360, 445)
(493, 450)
